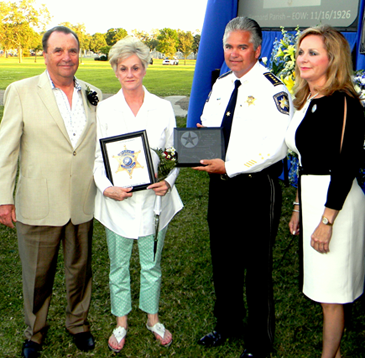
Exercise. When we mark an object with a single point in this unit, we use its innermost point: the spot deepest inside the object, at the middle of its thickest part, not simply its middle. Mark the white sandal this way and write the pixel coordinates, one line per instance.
(159, 331)
(119, 334)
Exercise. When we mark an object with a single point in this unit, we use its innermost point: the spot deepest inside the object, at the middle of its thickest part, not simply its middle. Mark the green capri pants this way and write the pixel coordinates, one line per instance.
(120, 251)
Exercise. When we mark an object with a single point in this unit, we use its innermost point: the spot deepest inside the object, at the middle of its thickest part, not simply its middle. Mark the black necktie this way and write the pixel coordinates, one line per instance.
(228, 114)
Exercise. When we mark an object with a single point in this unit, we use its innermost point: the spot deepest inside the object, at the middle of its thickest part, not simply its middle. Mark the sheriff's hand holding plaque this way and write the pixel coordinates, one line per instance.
(195, 144)
(128, 125)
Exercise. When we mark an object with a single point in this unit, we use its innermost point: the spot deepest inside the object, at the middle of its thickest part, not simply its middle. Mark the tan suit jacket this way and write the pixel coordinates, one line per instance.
(55, 180)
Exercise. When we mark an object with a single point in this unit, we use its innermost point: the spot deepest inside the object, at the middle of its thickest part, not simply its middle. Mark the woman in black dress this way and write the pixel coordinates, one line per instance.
(327, 132)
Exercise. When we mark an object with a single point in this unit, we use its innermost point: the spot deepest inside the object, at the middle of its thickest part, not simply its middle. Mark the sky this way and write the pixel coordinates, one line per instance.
(101, 15)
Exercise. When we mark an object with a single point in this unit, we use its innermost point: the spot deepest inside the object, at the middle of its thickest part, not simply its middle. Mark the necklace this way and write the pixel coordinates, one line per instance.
(307, 102)
(310, 98)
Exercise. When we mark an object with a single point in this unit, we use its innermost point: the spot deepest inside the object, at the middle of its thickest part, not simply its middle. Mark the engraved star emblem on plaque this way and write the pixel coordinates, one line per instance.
(127, 160)
(189, 139)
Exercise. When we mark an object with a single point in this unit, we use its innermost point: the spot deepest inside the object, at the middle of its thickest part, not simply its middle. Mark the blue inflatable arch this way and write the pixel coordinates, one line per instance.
(210, 56)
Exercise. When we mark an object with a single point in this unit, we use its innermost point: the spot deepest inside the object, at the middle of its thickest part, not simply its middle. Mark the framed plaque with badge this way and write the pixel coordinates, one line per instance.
(194, 144)
(127, 160)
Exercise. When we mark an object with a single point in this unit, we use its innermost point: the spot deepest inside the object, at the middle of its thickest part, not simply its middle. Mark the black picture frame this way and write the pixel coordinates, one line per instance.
(127, 160)
(195, 144)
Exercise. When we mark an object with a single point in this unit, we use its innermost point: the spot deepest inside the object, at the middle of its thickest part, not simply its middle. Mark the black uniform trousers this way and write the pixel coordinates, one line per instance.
(243, 218)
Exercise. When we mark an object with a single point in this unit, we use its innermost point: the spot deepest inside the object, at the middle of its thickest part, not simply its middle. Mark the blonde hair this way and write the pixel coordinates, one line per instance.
(127, 47)
(339, 68)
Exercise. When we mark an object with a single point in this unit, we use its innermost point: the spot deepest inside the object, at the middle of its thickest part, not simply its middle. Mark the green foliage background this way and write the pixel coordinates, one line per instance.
(187, 295)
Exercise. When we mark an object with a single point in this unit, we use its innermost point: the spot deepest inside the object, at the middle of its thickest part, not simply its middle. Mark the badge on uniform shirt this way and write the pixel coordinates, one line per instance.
(127, 160)
(250, 100)
(282, 102)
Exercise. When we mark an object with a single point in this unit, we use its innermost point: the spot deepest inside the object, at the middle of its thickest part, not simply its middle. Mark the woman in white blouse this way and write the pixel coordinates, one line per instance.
(127, 215)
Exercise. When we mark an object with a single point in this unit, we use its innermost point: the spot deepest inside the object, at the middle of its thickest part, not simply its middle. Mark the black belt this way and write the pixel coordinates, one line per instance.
(316, 171)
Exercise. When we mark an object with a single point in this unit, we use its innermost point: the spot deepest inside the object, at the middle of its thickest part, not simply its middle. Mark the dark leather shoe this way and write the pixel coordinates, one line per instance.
(212, 339)
(31, 349)
(84, 341)
(247, 354)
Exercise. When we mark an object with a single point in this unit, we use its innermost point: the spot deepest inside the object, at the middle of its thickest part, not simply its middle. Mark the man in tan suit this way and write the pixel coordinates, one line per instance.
(49, 126)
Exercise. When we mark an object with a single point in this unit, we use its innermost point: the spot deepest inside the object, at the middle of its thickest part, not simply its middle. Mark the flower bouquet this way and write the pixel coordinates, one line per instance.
(359, 84)
(168, 161)
(282, 61)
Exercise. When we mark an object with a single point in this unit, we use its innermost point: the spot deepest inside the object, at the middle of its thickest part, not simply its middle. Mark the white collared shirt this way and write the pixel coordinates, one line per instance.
(260, 119)
(75, 117)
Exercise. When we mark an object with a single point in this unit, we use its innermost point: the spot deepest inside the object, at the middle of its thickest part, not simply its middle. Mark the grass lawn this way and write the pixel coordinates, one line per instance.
(187, 296)
(160, 80)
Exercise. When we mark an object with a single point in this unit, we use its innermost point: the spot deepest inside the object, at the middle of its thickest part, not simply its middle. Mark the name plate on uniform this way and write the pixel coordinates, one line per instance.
(194, 144)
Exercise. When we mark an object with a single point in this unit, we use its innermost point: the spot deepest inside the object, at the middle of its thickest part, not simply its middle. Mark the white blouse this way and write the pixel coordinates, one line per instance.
(292, 129)
(134, 217)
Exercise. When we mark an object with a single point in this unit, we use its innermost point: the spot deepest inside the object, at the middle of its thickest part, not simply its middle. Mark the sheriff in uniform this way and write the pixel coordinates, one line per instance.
(244, 194)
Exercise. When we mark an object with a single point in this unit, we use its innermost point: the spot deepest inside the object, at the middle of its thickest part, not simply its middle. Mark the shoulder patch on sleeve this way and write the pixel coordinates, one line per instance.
(282, 102)
(273, 79)
(225, 75)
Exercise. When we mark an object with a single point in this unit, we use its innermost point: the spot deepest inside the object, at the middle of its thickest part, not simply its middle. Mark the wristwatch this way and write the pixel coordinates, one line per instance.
(326, 221)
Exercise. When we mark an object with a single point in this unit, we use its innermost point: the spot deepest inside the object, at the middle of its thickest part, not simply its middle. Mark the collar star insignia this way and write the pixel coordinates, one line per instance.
(127, 160)
(250, 100)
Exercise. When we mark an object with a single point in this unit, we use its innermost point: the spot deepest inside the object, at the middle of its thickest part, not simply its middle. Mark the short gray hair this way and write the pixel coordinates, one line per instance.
(244, 24)
(127, 47)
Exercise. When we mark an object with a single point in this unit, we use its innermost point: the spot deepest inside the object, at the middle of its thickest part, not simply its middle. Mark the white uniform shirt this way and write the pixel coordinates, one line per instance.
(262, 115)
(134, 217)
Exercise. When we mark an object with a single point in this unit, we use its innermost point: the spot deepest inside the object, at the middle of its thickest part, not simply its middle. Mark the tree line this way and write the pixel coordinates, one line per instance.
(18, 21)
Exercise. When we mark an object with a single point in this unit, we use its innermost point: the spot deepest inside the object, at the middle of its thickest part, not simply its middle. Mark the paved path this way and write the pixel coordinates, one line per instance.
(179, 103)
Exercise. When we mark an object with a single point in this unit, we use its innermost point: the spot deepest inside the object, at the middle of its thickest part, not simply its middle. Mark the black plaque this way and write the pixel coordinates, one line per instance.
(127, 160)
(194, 144)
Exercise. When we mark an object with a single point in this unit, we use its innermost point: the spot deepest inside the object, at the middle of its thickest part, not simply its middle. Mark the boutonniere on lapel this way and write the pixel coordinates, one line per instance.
(92, 96)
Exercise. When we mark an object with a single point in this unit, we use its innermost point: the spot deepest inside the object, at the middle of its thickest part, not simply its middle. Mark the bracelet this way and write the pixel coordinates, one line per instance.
(296, 211)
(295, 203)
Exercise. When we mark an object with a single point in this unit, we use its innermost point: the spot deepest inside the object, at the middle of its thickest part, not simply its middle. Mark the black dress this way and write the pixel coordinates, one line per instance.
(328, 180)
